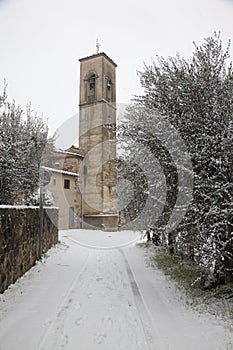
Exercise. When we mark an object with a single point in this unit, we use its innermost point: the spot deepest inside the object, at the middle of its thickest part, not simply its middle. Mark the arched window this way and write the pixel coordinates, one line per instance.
(91, 87)
(109, 84)
(91, 81)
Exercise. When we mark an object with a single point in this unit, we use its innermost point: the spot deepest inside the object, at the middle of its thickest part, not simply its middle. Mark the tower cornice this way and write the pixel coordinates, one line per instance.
(98, 55)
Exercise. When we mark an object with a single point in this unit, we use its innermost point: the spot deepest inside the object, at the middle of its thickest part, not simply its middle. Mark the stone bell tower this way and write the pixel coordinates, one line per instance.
(97, 139)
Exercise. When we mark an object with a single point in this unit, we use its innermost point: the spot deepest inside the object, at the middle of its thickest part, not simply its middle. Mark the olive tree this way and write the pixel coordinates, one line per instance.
(23, 136)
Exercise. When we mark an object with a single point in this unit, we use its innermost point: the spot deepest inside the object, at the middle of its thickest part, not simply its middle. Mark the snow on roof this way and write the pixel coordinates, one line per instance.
(70, 153)
(60, 171)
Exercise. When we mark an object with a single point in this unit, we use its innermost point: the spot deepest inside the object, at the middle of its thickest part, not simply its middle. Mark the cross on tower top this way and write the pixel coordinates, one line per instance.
(97, 46)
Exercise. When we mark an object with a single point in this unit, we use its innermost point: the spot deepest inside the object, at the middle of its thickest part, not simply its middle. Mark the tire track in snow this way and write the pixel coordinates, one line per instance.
(113, 320)
(116, 320)
(56, 327)
(143, 313)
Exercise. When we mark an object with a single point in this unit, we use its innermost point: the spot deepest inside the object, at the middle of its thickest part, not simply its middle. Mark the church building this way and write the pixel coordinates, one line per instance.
(91, 201)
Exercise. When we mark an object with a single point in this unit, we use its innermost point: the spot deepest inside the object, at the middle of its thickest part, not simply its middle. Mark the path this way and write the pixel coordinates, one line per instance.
(94, 291)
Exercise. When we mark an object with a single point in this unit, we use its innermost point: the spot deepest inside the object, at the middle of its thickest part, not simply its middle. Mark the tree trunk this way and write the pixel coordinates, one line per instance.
(228, 261)
(170, 243)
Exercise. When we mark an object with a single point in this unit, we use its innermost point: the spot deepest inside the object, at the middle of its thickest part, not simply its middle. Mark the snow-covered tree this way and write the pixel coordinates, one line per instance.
(23, 137)
(196, 96)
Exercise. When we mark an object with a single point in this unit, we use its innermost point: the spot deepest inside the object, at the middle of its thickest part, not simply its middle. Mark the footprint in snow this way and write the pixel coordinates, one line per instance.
(99, 279)
(78, 305)
(108, 321)
(134, 322)
(130, 303)
(79, 321)
(100, 338)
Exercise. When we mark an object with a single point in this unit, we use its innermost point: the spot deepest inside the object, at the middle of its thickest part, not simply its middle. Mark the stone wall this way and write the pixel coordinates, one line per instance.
(19, 240)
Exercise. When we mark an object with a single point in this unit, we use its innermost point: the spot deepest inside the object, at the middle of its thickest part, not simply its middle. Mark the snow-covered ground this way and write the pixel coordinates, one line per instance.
(94, 291)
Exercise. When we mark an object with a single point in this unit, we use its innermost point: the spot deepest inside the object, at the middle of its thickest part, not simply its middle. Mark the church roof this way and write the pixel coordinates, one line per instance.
(69, 153)
(97, 55)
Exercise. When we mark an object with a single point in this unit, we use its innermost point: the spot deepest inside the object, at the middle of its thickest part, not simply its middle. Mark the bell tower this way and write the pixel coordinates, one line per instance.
(97, 140)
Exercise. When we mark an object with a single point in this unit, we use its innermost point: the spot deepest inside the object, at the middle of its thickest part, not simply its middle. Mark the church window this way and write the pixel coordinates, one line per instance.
(91, 87)
(109, 83)
(66, 183)
(92, 82)
(108, 88)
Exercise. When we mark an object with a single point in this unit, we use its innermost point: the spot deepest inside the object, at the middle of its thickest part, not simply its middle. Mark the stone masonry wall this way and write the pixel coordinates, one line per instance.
(19, 240)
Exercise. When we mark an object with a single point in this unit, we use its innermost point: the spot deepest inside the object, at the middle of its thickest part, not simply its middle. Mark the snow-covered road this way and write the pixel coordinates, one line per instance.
(94, 291)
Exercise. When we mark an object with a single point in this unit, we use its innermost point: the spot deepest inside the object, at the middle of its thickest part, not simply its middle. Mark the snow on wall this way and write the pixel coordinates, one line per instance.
(22, 207)
(19, 238)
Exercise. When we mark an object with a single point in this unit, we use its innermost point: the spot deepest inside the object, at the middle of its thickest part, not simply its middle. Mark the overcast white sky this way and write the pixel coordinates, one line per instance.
(42, 40)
